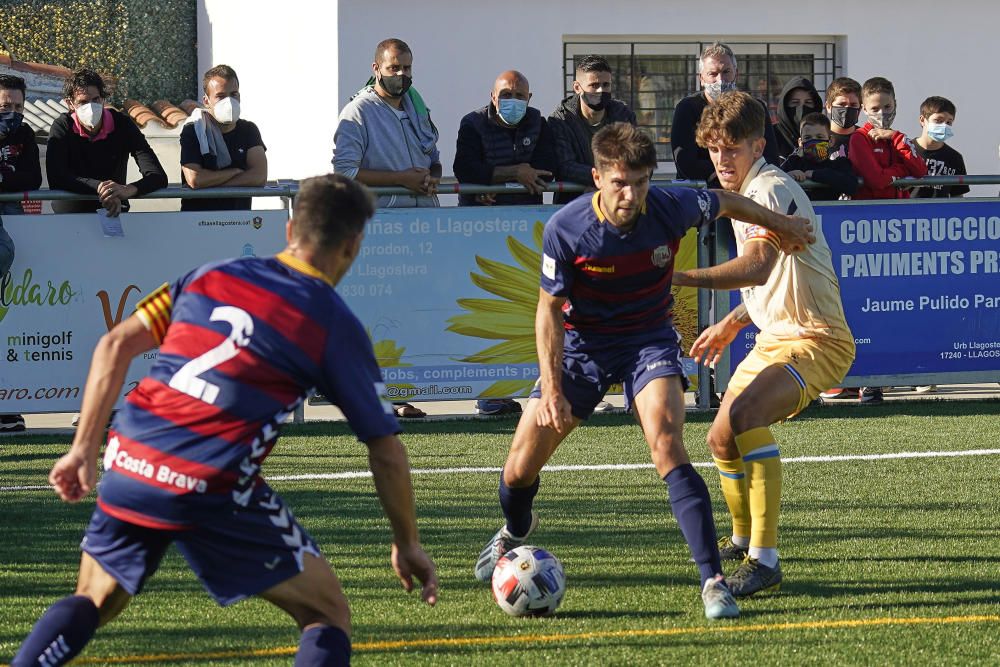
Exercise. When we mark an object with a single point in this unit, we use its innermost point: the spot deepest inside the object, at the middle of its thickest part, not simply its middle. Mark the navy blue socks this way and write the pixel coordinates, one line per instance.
(323, 646)
(692, 508)
(62, 632)
(516, 505)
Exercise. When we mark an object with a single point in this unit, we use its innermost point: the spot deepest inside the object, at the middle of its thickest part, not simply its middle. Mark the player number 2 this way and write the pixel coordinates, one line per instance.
(186, 379)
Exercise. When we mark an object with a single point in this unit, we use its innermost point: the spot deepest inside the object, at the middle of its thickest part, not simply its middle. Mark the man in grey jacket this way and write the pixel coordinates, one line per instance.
(385, 136)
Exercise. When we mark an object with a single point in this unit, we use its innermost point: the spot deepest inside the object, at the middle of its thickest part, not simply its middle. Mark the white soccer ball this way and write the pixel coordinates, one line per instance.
(529, 581)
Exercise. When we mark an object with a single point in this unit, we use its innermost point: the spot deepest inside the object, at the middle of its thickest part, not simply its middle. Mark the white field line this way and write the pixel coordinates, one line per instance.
(361, 474)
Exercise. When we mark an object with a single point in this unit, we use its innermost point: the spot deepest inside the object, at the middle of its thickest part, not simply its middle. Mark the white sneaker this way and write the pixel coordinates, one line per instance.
(719, 601)
(926, 389)
(604, 406)
(500, 544)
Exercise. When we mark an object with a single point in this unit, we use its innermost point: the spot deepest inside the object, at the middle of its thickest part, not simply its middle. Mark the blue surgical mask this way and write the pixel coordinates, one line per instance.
(10, 121)
(713, 90)
(940, 131)
(512, 110)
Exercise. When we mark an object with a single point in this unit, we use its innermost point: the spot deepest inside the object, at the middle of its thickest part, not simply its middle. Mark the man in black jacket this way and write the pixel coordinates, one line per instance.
(88, 151)
(505, 141)
(578, 118)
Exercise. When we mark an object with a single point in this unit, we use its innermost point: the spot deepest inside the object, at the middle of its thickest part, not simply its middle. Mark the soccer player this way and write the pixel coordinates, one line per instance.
(604, 316)
(803, 347)
(241, 344)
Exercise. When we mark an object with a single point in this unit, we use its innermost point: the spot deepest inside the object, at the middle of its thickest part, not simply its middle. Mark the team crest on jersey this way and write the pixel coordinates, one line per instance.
(661, 256)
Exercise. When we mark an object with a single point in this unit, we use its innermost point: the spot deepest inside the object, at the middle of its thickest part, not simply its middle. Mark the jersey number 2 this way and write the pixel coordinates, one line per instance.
(186, 379)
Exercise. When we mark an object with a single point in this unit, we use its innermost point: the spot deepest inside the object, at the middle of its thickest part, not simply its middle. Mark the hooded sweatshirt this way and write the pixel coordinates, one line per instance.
(787, 129)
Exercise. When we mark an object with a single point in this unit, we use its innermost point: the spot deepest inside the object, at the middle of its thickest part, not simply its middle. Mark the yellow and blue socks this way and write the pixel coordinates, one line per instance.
(692, 507)
(516, 505)
(60, 634)
(762, 461)
(733, 480)
(323, 645)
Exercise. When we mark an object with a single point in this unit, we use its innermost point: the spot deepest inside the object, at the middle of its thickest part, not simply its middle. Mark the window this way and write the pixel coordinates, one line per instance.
(652, 77)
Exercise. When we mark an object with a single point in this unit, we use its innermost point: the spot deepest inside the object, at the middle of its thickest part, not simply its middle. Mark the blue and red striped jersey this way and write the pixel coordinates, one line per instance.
(242, 343)
(615, 281)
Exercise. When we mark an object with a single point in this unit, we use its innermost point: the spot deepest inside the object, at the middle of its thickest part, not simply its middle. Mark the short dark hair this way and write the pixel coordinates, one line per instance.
(81, 80)
(815, 118)
(393, 44)
(11, 82)
(330, 209)
(623, 144)
(932, 105)
(877, 84)
(733, 117)
(224, 72)
(842, 85)
(593, 63)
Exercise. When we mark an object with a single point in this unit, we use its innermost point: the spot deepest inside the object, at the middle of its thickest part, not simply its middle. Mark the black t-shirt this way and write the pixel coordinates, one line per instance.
(239, 141)
(945, 161)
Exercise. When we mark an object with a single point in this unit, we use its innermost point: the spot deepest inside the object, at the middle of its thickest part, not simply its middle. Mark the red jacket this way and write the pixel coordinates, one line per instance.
(878, 162)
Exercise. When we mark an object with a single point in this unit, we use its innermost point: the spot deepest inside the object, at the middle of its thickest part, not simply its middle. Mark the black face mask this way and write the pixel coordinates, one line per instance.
(797, 113)
(596, 106)
(844, 116)
(396, 86)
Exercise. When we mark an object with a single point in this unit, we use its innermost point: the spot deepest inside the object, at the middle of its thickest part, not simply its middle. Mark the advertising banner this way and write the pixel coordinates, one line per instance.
(71, 282)
(920, 282)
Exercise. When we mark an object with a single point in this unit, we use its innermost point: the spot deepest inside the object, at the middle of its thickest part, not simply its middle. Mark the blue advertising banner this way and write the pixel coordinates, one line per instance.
(920, 282)
(448, 296)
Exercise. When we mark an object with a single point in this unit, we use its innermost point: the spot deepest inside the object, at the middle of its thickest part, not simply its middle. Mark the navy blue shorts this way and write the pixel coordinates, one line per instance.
(592, 363)
(235, 554)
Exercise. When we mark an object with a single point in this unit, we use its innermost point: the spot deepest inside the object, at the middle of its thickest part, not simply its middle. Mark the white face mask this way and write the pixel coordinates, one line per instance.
(227, 110)
(90, 114)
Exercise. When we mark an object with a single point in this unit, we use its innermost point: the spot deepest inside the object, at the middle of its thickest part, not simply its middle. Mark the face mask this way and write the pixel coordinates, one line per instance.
(844, 116)
(596, 101)
(90, 114)
(9, 122)
(512, 110)
(936, 131)
(816, 150)
(227, 110)
(881, 120)
(796, 113)
(714, 90)
(396, 86)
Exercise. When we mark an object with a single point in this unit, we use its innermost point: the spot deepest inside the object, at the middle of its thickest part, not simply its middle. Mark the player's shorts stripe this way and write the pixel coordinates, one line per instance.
(767, 452)
(733, 475)
(795, 374)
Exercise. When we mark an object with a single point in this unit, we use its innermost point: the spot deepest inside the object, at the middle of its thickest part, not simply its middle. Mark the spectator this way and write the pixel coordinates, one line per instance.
(798, 99)
(937, 115)
(717, 73)
(813, 161)
(505, 141)
(220, 149)
(578, 118)
(20, 171)
(843, 106)
(652, 115)
(385, 136)
(88, 151)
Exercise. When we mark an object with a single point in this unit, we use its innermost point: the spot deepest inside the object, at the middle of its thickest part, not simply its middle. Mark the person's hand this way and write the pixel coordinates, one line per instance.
(797, 174)
(554, 412)
(415, 179)
(531, 178)
(708, 347)
(431, 184)
(113, 205)
(877, 134)
(110, 189)
(73, 477)
(680, 279)
(486, 199)
(413, 561)
(795, 233)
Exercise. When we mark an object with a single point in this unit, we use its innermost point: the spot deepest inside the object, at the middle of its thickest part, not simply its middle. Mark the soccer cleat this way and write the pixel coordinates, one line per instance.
(719, 601)
(500, 544)
(754, 577)
(729, 550)
(11, 423)
(838, 393)
(871, 396)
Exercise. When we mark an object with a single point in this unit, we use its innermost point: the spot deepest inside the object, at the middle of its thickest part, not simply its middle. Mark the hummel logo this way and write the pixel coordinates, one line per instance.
(274, 563)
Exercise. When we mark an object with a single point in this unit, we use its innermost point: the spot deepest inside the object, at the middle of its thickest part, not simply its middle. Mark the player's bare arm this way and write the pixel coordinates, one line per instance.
(753, 267)
(554, 410)
(794, 231)
(710, 344)
(75, 474)
(391, 472)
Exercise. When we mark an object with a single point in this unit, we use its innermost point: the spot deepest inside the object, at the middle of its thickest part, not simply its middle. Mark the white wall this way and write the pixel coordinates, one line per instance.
(459, 48)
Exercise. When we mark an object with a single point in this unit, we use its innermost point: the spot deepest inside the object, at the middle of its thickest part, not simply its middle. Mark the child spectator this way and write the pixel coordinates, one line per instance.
(814, 161)
(937, 114)
(843, 106)
(878, 153)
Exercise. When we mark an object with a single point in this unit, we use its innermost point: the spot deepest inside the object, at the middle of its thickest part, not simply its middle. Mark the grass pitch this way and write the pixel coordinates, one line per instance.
(886, 560)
